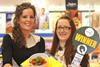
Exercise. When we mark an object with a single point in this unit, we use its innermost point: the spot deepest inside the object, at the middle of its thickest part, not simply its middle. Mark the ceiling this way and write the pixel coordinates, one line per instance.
(56, 2)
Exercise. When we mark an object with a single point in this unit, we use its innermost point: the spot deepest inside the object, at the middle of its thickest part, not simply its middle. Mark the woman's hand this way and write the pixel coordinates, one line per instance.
(7, 65)
(70, 65)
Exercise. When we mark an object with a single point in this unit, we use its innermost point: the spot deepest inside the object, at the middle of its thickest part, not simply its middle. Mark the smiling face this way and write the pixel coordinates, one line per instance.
(27, 20)
(63, 29)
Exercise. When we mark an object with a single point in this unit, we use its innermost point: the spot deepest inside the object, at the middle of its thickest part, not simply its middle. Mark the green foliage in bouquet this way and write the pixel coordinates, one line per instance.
(38, 61)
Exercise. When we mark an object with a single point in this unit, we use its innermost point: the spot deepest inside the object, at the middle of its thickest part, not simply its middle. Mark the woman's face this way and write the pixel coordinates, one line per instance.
(27, 20)
(63, 29)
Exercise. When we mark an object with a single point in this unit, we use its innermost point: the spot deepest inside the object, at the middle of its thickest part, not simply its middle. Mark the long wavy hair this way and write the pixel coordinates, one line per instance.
(69, 48)
(19, 38)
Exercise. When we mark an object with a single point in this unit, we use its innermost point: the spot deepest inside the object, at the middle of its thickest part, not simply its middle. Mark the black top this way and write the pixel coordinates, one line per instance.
(19, 54)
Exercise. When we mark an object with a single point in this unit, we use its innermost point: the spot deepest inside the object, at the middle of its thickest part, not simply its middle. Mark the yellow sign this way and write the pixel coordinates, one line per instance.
(85, 40)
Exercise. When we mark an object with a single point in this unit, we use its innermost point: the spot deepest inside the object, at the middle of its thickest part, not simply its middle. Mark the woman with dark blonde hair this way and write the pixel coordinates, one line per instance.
(62, 47)
(22, 43)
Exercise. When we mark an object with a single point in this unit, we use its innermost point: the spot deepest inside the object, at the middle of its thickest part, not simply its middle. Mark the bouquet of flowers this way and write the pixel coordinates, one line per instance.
(37, 61)
(41, 60)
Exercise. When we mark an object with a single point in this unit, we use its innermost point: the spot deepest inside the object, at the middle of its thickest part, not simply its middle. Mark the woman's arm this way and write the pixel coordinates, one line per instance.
(7, 50)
